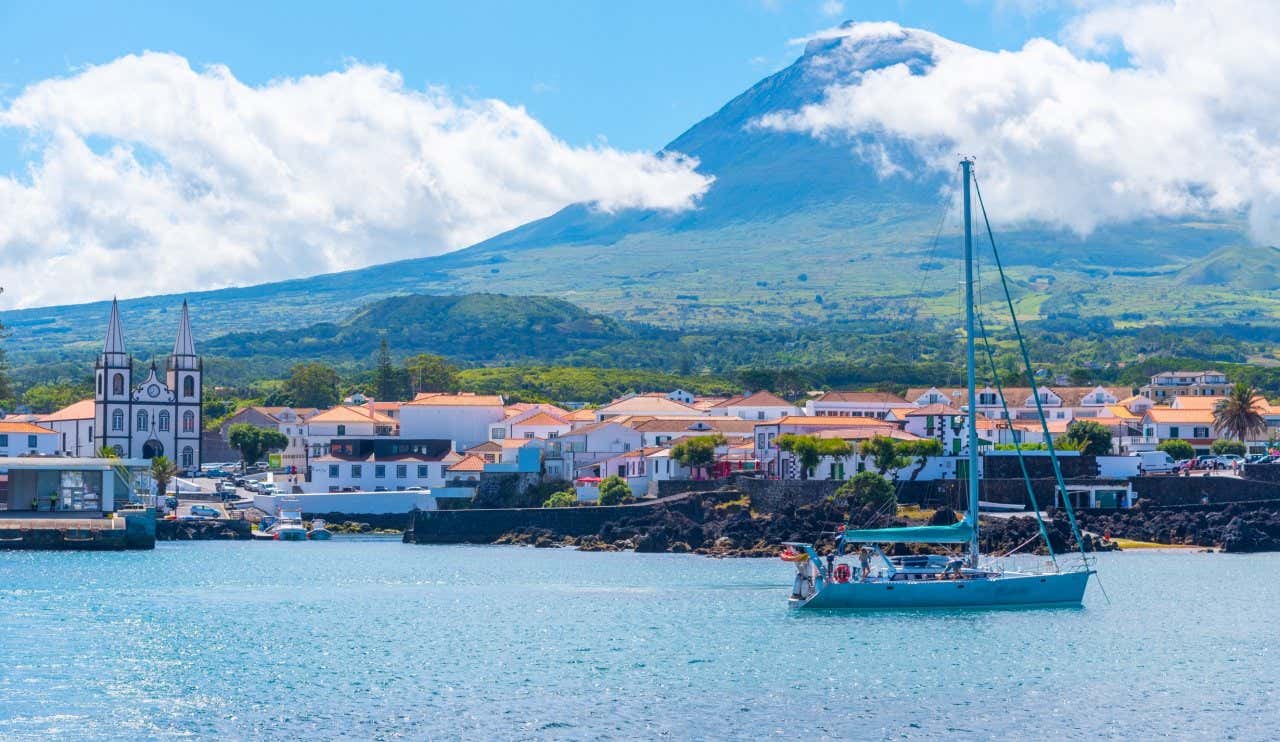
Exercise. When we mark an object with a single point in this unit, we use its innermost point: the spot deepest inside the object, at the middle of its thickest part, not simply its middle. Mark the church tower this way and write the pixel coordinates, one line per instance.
(184, 374)
(113, 371)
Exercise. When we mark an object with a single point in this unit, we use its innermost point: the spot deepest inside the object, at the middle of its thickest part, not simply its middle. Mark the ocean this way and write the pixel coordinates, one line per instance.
(369, 638)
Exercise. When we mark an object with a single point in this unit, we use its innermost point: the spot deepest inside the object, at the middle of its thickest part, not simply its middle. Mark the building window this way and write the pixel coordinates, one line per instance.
(1173, 432)
(188, 457)
(402, 471)
(117, 384)
(99, 384)
(163, 421)
(380, 471)
(142, 420)
(4, 439)
(333, 471)
(117, 420)
(188, 422)
(342, 430)
(498, 434)
(357, 471)
(31, 441)
(189, 386)
(423, 471)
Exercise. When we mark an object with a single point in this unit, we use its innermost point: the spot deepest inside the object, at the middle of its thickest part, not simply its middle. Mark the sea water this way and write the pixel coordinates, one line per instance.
(374, 639)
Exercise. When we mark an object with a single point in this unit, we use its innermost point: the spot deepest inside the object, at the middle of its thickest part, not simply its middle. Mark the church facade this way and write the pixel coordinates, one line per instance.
(156, 416)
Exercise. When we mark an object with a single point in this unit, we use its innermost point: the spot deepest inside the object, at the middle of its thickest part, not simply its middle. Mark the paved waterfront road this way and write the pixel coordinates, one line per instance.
(374, 639)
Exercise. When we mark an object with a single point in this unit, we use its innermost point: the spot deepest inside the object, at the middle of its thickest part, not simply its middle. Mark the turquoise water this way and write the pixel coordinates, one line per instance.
(375, 639)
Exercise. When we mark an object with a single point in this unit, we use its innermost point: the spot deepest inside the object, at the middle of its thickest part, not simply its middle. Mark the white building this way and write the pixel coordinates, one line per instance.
(757, 406)
(28, 439)
(157, 416)
(652, 405)
(288, 421)
(1165, 386)
(74, 424)
(466, 418)
(381, 464)
(854, 404)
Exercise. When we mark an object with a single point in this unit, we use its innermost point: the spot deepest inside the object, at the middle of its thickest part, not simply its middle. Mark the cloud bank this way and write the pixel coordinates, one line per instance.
(149, 176)
(1183, 126)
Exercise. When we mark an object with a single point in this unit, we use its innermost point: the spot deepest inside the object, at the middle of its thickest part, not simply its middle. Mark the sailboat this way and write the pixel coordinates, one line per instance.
(864, 577)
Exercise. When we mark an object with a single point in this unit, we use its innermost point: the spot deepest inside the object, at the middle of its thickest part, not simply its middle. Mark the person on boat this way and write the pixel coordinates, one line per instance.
(831, 562)
(864, 559)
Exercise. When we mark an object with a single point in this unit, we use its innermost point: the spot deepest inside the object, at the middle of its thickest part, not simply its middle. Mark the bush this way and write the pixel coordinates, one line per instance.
(1089, 437)
(613, 490)
(1224, 446)
(1179, 449)
(869, 488)
(565, 499)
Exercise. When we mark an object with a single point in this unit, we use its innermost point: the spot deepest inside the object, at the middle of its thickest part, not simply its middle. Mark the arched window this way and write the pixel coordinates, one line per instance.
(189, 386)
(188, 422)
(163, 421)
(99, 383)
(117, 420)
(188, 457)
(142, 420)
(117, 384)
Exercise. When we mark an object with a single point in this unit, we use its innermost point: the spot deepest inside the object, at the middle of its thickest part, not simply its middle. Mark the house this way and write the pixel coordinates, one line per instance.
(28, 439)
(1059, 403)
(1167, 385)
(777, 463)
(1270, 413)
(758, 406)
(944, 423)
(464, 418)
(538, 421)
(87, 486)
(661, 431)
(854, 404)
(583, 447)
(489, 451)
(648, 405)
(465, 472)
(343, 422)
(381, 464)
(580, 418)
(1193, 426)
(74, 425)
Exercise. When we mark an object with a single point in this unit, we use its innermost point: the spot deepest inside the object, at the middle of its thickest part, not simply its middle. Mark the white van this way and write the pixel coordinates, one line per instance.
(1154, 462)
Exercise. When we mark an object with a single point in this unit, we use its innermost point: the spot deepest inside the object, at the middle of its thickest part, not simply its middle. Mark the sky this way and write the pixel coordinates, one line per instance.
(162, 147)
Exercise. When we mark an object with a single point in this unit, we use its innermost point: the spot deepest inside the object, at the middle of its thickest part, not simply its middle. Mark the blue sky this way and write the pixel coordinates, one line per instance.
(635, 73)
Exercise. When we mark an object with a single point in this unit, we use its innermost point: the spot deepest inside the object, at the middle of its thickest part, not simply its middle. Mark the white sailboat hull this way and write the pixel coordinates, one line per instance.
(1063, 588)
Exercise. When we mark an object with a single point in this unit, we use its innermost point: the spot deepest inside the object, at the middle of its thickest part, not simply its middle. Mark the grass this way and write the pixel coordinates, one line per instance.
(1128, 544)
(915, 512)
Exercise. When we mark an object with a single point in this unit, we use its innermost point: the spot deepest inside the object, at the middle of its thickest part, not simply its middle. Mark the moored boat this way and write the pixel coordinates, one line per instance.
(319, 531)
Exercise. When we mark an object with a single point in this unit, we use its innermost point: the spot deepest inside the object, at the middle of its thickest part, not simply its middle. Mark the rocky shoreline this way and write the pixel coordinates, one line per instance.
(703, 525)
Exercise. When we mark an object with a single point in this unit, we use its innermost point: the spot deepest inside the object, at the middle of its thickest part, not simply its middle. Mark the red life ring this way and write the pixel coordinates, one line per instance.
(842, 573)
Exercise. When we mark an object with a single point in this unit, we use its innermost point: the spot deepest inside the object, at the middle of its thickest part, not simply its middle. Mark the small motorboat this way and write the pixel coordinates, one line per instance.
(318, 531)
(287, 525)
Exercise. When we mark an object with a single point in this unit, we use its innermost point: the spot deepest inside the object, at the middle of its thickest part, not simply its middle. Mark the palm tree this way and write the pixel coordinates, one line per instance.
(1237, 414)
(163, 471)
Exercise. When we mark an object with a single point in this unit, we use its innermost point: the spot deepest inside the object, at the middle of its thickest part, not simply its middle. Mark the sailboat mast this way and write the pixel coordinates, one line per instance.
(966, 165)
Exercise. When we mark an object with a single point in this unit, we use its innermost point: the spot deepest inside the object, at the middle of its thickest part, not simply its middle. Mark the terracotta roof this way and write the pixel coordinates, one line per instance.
(759, 399)
(1017, 396)
(351, 414)
(683, 424)
(1121, 412)
(464, 399)
(935, 409)
(582, 415)
(82, 410)
(468, 463)
(646, 405)
(25, 428)
(384, 406)
(1196, 402)
(516, 442)
(706, 403)
(486, 447)
(878, 397)
(1170, 415)
(542, 418)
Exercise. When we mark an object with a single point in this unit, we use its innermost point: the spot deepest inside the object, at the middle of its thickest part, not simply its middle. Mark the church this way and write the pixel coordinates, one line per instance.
(153, 417)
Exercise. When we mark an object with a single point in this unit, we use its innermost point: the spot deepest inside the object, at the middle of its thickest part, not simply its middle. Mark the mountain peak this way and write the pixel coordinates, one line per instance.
(855, 47)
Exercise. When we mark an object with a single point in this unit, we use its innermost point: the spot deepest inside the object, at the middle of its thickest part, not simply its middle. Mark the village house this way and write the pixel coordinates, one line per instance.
(855, 404)
(942, 422)
(288, 421)
(581, 448)
(344, 422)
(1193, 426)
(758, 406)
(28, 439)
(464, 418)
(1167, 385)
(524, 420)
(651, 405)
(777, 463)
(381, 464)
(1065, 403)
(662, 431)
(74, 425)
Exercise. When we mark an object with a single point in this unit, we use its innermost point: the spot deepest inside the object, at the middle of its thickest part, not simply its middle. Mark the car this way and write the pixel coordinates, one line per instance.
(253, 485)
(216, 473)
(1230, 460)
(204, 511)
(1256, 458)
(171, 503)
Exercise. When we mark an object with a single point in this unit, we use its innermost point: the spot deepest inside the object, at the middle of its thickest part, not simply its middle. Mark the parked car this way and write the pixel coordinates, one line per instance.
(253, 485)
(204, 511)
(1202, 462)
(216, 473)
(1256, 458)
(1230, 460)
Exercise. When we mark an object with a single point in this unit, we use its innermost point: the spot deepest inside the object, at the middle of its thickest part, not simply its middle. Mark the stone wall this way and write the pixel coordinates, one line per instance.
(1039, 466)
(771, 495)
(1170, 490)
(671, 487)
(230, 529)
(483, 526)
(1262, 472)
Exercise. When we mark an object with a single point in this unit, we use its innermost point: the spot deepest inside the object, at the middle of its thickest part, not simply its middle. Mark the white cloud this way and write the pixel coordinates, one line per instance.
(150, 176)
(831, 8)
(1185, 127)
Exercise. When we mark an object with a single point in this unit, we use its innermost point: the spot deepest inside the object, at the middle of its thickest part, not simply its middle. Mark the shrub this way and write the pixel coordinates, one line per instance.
(1089, 437)
(1179, 449)
(561, 500)
(1224, 446)
(613, 490)
(869, 488)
